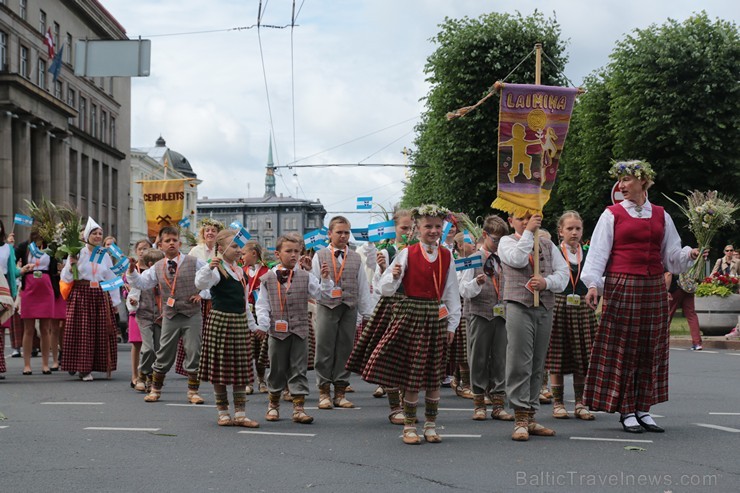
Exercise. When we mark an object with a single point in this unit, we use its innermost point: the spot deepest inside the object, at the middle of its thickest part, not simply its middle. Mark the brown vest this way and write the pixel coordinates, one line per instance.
(482, 305)
(184, 289)
(295, 302)
(348, 281)
(514, 289)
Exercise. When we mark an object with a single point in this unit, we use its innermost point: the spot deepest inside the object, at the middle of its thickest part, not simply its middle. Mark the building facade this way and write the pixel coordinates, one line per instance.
(67, 139)
(149, 163)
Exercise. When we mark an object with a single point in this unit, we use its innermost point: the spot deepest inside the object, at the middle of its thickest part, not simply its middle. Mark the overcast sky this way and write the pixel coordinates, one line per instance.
(357, 68)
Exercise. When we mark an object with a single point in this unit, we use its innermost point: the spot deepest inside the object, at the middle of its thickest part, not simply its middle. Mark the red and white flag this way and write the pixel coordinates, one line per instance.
(49, 42)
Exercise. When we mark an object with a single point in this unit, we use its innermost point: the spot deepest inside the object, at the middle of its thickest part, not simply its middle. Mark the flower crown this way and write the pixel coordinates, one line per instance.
(208, 221)
(639, 169)
(427, 210)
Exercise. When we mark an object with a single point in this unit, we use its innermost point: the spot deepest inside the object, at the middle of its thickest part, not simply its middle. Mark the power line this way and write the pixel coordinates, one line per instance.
(360, 165)
(239, 28)
(386, 146)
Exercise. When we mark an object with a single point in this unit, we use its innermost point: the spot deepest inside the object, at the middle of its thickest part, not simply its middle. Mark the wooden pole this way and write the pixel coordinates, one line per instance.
(537, 81)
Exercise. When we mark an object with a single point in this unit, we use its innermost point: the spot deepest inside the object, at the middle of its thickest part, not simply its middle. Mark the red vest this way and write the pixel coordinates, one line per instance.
(418, 280)
(637, 243)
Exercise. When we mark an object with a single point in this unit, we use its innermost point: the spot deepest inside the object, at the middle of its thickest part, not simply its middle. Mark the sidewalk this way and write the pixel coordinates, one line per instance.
(708, 342)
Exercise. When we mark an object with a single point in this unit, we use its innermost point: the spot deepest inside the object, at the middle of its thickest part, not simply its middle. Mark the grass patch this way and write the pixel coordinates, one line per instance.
(679, 325)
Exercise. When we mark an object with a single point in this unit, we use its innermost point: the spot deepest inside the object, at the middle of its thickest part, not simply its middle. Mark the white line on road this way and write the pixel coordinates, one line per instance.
(651, 414)
(678, 349)
(725, 414)
(278, 434)
(707, 352)
(3, 427)
(192, 405)
(107, 428)
(469, 409)
(734, 354)
(336, 408)
(73, 403)
(592, 439)
(717, 427)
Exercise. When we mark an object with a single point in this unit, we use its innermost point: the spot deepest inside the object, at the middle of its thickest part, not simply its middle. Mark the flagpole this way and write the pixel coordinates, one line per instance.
(537, 81)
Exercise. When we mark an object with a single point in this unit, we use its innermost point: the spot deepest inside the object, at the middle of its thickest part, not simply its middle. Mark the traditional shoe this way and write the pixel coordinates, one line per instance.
(152, 396)
(341, 401)
(87, 377)
(379, 392)
(262, 387)
(520, 433)
(430, 433)
(194, 397)
(249, 390)
(225, 420)
(544, 399)
(300, 416)
(630, 428)
(349, 389)
(487, 400)
(479, 414)
(536, 429)
(240, 419)
(411, 437)
(500, 414)
(559, 411)
(465, 393)
(273, 414)
(286, 396)
(140, 386)
(132, 384)
(325, 402)
(396, 417)
(583, 413)
(649, 426)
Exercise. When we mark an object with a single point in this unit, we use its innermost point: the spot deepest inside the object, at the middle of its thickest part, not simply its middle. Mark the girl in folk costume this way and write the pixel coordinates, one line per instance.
(134, 332)
(458, 353)
(634, 243)
(225, 352)
(254, 269)
(381, 317)
(8, 271)
(411, 353)
(574, 323)
(90, 327)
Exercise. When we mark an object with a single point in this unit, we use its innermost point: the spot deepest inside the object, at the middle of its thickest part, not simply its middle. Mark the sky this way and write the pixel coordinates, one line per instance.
(344, 86)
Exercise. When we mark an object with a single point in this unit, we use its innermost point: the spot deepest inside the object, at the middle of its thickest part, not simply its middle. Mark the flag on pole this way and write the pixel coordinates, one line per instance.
(112, 284)
(235, 225)
(184, 222)
(49, 42)
(467, 237)
(120, 267)
(533, 124)
(35, 249)
(364, 203)
(315, 239)
(360, 234)
(97, 255)
(381, 231)
(22, 220)
(446, 227)
(116, 251)
(56, 65)
(472, 262)
(241, 237)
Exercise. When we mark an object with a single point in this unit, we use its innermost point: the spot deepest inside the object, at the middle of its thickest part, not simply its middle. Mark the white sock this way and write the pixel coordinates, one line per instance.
(645, 417)
(629, 420)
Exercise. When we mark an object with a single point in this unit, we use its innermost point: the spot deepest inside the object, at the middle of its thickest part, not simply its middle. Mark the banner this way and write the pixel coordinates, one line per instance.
(381, 231)
(364, 203)
(472, 262)
(163, 201)
(533, 124)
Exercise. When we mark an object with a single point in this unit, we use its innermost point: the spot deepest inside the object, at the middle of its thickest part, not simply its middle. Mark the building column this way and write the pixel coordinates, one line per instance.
(40, 165)
(21, 165)
(6, 170)
(59, 170)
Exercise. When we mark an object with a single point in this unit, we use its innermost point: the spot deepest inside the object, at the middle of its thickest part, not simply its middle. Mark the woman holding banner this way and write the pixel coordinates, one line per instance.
(90, 327)
(633, 244)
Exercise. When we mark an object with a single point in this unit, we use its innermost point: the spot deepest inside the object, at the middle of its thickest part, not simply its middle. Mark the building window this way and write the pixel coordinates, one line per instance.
(56, 36)
(42, 22)
(41, 78)
(294, 222)
(24, 62)
(58, 89)
(113, 131)
(286, 223)
(268, 243)
(71, 97)
(103, 125)
(23, 9)
(268, 223)
(68, 54)
(94, 120)
(83, 113)
(3, 51)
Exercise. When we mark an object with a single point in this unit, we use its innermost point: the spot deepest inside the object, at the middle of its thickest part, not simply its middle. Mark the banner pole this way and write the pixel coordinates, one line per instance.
(537, 81)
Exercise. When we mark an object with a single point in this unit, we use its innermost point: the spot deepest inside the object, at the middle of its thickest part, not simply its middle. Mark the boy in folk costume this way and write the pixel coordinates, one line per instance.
(148, 305)
(527, 326)
(175, 276)
(336, 312)
(282, 312)
(482, 291)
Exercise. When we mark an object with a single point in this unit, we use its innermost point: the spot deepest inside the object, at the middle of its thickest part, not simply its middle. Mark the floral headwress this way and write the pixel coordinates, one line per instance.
(642, 170)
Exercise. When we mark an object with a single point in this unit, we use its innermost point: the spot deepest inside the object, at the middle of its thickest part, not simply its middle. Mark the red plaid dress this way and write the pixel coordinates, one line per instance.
(372, 333)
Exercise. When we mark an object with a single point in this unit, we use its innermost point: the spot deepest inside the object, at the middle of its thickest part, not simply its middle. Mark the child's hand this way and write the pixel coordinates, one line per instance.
(396, 271)
(133, 302)
(215, 261)
(592, 298)
(538, 283)
(450, 337)
(534, 222)
(380, 259)
(325, 271)
(306, 263)
(261, 334)
(480, 279)
(131, 264)
(195, 299)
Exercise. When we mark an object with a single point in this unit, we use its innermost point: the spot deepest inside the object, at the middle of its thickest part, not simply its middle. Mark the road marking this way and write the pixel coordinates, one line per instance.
(278, 433)
(678, 349)
(651, 414)
(469, 409)
(707, 352)
(592, 439)
(3, 427)
(734, 354)
(73, 403)
(336, 408)
(192, 405)
(725, 414)
(717, 427)
(107, 428)
(458, 436)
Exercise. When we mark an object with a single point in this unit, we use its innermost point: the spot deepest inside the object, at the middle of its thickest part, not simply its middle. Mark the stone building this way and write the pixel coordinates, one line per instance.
(269, 216)
(66, 139)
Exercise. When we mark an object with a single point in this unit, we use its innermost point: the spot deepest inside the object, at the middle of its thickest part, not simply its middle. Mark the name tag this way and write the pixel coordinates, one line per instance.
(529, 287)
(37, 274)
(94, 284)
(443, 311)
(499, 310)
(573, 300)
(170, 302)
(281, 326)
(336, 293)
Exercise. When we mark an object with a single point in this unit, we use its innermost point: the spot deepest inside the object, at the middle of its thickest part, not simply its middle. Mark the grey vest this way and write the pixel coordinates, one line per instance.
(295, 304)
(348, 281)
(184, 289)
(514, 289)
(148, 312)
(482, 305)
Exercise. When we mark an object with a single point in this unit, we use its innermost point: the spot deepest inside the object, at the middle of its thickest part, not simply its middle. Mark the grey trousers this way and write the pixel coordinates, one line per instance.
(335, 337)
(150, 336)
(487, 354)
(528, 332)
(288, 365)
(176, 328)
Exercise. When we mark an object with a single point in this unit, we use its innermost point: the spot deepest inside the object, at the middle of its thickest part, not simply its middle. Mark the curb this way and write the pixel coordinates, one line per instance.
(708, 342)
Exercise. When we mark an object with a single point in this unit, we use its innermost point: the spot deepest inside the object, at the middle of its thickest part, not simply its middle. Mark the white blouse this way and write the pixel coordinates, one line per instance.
(4, 258)
(100, 272)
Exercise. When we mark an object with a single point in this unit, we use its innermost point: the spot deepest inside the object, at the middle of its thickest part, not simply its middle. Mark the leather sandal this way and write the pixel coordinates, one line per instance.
(520, 434)
(411, 437)
(379, 392)
(195, 398)
(249, 390)
(325, 403)
(465, 393)
(583, 413)
(242, 420)
(300, 416)
(479, 414)
(538, 430)
(559, 411)
(286, 396)
(152, 396)
(430, 433)
(273, 414)
(498, 413)
(225, 420)
(396, 417)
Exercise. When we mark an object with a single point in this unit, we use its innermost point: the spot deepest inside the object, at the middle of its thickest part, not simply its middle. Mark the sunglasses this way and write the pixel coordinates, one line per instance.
(728, 251)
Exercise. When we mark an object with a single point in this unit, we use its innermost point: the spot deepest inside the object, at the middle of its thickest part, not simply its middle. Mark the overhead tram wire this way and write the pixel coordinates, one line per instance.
(386, 146)
(292, 90)
(211, 31)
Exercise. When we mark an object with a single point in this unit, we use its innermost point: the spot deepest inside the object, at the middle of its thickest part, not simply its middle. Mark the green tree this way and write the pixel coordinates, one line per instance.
(471, 54)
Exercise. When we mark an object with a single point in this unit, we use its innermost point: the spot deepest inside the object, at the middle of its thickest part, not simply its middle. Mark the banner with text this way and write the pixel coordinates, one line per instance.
(164, 201)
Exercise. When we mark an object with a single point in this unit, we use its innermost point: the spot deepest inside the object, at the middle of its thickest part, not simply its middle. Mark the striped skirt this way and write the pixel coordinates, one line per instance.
(572, 337)
(372, 333)
(458, 354)
(205, 308)
(628, 368)
(89, 331)
(411, 353)
(225, 355)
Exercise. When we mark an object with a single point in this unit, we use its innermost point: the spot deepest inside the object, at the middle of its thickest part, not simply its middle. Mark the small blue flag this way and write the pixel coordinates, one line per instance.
(120, 267)
(112, 284)
(184, 222)
(381, 231)
(235, 225)
(97, 255)
(446, 227)
(241, 237)
(364, 203)
(22, 220)
(472, 262)
(116, 251)
(315, 239)
(360, 234)
(467, 237)
(35, 250)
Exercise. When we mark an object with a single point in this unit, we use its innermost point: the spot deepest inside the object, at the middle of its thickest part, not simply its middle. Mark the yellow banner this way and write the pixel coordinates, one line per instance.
(164, 201)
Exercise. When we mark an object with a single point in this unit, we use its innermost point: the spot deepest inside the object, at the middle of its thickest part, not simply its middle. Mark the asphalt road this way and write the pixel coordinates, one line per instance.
(49, 441)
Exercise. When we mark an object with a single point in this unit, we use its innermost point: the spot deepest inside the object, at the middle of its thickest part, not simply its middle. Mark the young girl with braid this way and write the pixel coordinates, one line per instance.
(254, 268)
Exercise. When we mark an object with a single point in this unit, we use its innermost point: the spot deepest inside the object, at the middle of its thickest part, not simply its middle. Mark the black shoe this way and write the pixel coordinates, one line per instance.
(28, 372)
(54, 368)
(651, 428)
(34, 353)
(16, 353)
(46, 372)
(630, 429)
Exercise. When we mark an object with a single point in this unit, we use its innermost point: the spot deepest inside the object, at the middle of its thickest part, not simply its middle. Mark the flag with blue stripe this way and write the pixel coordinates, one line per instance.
(112, 284)
(471, 262)
(364, 203)
(360, 234)
(35, 250)
(446, 227)
(184, 222)
(381, 231)
(468, 238)
(97, 255)
(242, 236)
(116, 251)
(235, 225)
(22, 220)
(315, 239)
(120, 267)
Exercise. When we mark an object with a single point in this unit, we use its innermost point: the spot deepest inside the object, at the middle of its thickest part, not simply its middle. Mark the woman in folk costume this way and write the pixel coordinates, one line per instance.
(225, 351)
(90, 327)
(381, 317)
(8, 271)
(633, 244)
(205, 250)
(411, 353)
(254, 268)
(573, 324)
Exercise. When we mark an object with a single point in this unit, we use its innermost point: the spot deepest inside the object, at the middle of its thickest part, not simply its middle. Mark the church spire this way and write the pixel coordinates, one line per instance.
(270, 174)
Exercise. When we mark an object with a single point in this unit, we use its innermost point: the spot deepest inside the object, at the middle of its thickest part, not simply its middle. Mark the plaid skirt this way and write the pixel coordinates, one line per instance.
(225, 352)
(205, 308)
(259, 352)
(89, 331)
(411, 353)
(628, 369)
(372, 333)
(572, 337)
(458, 353)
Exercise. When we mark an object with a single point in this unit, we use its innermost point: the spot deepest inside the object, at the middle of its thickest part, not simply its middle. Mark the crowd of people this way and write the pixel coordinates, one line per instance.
(407, 315)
